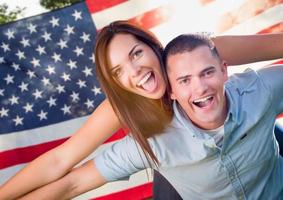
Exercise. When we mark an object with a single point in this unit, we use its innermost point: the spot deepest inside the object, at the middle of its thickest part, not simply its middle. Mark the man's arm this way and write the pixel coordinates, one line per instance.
(243, 49)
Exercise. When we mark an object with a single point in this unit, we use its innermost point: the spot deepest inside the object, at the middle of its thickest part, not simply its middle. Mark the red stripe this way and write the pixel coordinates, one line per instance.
(98, 5)
(153, 17)
(26, 154)
(136, 193)
(279, 116)
(273, 29)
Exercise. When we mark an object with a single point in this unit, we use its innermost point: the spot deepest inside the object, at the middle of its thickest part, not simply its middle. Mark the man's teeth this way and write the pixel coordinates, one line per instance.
(202, 99)
(144, 79)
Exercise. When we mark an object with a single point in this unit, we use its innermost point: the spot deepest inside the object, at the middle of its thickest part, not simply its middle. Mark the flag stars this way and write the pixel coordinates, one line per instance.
(85, 37)
(21, 54)
(56, 57)
(92, 58)
(32, 28)
(87, 71)
(89, 103)
(23, 86)
(9, 79)
(45, 81)
(50, 70)
(72, 64)
(66, 77)
(2, 60)
(69, 30)
(42, 115)
(96, 90)
(77, 15)
(46, 36)
(2, 92)
(62, 44)
(35, 62)
(78, 51)
(14, 100)
(66, 109)
(5, 47)
(51, 101)
(18, 120)
(60, 88)
(15, 66)
(31, 74)
(81, 83)
(75, 97)
(37, 94)
(54, 21)
(25, 42)
(10, 34)
(40, 50)
(28, 108)
(4, 112)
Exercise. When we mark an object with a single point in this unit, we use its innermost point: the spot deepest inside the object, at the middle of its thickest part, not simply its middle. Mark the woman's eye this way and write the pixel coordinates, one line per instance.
(117, 72)
(136, 54)
(183, 81)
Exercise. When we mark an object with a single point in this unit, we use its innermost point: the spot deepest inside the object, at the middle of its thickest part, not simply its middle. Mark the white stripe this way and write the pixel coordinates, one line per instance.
(125, 11)
(40, 135)
(262, 21)
(6, 173)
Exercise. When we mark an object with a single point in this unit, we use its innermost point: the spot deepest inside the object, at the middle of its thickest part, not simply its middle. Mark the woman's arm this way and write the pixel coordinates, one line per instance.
(57, 162)
(237, 50)
(78, 181)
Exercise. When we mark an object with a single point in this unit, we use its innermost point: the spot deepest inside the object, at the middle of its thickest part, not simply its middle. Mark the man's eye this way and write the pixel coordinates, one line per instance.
(209, 72)
(137, 54)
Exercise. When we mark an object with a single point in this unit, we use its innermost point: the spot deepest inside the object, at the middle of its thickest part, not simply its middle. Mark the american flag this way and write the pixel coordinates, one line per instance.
(48, 85)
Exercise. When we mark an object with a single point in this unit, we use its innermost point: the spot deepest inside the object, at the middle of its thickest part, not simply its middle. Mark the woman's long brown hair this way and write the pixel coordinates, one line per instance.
(144, 117)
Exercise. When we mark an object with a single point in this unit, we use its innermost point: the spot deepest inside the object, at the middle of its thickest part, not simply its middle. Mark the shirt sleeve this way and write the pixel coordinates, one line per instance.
(273, 78)
(120, 160)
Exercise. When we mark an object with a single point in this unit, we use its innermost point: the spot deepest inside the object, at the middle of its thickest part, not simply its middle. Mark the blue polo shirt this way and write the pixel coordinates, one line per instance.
(246, 165)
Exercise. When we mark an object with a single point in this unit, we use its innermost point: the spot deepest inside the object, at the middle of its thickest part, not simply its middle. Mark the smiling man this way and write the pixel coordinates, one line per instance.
(233, 118)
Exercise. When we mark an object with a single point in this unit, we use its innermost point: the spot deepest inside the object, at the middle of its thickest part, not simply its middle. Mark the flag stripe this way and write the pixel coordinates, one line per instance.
(276, 28)
(98, 5)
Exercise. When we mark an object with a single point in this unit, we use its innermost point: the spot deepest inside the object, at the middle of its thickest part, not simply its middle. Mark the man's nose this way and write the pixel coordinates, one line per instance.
(199, 86)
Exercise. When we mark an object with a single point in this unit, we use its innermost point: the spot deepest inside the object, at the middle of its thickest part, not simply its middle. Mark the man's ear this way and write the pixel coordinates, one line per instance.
(224, 69)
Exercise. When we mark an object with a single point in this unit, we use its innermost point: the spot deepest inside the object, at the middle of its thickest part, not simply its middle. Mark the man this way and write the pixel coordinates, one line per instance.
(219, 144)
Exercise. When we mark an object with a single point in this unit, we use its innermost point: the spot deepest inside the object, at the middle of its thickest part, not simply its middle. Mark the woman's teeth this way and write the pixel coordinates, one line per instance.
(144, 79)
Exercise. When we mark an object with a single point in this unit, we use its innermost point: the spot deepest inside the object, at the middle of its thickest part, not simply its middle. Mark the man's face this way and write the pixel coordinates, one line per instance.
(197, 81)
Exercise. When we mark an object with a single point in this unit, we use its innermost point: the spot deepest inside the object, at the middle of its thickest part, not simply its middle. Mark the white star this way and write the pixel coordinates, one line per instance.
(75, 97)
(31, 74)
(14, 100)
(89, 103)
(51, 102)
(96, 90)
(2, 60)
(5, 47)
(32, 28)
(56, 57)
(45, 81)
(15, 66)
(62, 44)
(77, 15)
(87, 71)
(66, 109)
(92, 58)
(18, 120)
(66, 77)
(78, 51)
(25, 42)
(23, 86)
(28, 108)
(9, 79)
(54, 21)
(10, 34)
(35, 62)
(2, 92)
(46, 36)
(69, 30)
(40, 50)
(85, 37)
(37, 94)
(81, 83)
(21, 55)
(42, 115)
(4, 112)
(60, 88)
(50, 69)
(72, 64)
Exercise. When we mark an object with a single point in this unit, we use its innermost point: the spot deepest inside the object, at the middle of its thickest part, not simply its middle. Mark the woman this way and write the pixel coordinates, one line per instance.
(56, 163)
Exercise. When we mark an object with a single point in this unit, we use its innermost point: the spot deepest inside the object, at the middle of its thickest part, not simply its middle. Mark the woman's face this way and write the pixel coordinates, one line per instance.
(135, 66)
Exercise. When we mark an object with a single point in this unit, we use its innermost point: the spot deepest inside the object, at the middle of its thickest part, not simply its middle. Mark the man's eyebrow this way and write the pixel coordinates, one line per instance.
(130, 53)
(207, 69)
